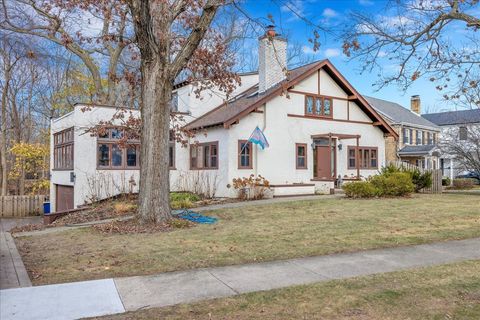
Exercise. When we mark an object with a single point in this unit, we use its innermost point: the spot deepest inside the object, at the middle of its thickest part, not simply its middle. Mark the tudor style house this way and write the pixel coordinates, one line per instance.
(418, 137)
(455, 125)
(319, 130)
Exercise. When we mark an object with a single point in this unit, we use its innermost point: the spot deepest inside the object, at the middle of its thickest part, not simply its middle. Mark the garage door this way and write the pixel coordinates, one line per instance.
(64, 198)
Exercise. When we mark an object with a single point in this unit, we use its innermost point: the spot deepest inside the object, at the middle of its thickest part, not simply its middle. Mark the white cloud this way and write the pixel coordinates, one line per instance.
(296, 8)
(332, 52)
(382, 54)
(329, 13)
(396, 21)
(366, 3)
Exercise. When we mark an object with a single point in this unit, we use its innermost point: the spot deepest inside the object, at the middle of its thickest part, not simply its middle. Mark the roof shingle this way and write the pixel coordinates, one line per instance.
(242, 102)
(454, 117)
(398, 114)
(416, 150)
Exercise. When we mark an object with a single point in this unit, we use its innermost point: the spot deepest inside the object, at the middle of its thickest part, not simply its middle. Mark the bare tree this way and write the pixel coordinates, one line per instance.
(417, 37)
(173, 37)
(466, 152)
(11, 52)
(96, 32)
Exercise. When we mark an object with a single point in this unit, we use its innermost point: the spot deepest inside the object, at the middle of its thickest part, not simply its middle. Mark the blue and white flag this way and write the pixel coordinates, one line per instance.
(258, 137)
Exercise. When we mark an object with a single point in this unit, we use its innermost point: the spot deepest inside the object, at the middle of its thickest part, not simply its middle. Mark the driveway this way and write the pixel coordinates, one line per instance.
(12, 270)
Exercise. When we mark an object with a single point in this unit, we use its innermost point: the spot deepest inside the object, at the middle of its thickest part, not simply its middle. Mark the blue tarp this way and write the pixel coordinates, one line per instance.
(194, 217)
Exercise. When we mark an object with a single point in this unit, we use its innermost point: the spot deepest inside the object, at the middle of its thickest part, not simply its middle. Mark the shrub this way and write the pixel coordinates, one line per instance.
(419, 179)
(446, 181)
(463, 183)
(251, 187)
(183, 200)
(394, 184)
(178, 196)
(389, 169)
(360, 189)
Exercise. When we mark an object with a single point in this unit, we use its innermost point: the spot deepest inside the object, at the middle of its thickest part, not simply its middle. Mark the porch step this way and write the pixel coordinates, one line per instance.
(338, 191)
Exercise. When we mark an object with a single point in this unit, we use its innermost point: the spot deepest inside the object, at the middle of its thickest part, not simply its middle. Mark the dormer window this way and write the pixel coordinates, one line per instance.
(318, 106)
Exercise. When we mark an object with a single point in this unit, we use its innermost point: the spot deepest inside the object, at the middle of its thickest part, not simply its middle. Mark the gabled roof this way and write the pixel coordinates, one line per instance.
(454, 117)
(248, 101)
(398, 114)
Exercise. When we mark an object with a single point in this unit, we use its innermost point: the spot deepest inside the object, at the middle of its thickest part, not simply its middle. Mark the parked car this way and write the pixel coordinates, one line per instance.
(470, 175)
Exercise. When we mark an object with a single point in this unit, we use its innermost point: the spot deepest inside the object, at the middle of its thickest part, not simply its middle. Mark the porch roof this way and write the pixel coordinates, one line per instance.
(422, 150)
(336, 135)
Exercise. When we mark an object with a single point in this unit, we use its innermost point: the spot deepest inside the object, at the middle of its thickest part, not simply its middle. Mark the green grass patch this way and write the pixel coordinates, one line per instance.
(253, 234)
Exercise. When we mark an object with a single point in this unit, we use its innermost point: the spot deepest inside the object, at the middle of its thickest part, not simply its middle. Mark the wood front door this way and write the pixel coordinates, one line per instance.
(64, 198)
(325, 158)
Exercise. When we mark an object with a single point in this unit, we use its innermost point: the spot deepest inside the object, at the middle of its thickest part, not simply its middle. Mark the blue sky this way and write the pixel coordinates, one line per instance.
(335, 13)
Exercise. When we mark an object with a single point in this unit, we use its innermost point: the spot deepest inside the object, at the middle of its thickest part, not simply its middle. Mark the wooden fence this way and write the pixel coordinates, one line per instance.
(21, 206)
(436, 176)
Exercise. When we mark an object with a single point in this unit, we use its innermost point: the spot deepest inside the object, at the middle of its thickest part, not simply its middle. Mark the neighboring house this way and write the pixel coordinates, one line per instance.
(318, 127)
(418, 137)
(454, 125)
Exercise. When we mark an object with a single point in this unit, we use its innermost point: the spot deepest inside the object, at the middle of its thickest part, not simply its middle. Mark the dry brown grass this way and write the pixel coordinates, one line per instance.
(122, 207)
(441, 292)
(254, 233)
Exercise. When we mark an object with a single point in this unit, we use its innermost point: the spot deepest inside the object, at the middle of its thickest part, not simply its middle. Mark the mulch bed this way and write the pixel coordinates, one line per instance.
(99, 213)
(106, 210)
(135, 226)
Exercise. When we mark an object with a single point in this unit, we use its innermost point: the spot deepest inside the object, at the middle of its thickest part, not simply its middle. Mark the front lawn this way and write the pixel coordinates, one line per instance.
(440, 292)
(253, 233)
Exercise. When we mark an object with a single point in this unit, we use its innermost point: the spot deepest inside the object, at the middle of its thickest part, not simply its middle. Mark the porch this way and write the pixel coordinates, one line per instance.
(423, 156)
(326, 161)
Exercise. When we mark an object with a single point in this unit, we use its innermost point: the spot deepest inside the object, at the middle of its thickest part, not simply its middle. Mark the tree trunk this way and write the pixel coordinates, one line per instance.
(154, 195)
(3, 137)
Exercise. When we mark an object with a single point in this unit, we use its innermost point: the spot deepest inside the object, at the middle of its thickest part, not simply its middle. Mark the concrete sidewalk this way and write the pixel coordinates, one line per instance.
(101, 297)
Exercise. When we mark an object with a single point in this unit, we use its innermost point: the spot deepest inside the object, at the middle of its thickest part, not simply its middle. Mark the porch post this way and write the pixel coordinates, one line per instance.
(451, 171)
(357, 158)
(330, 152)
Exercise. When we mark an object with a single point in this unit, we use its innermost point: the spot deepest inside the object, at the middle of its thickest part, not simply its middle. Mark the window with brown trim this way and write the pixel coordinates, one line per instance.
(204, 156)
(301, 155)
(245, 157)
(113, 155)
(318, 106)
(367, 157)
(63, 150)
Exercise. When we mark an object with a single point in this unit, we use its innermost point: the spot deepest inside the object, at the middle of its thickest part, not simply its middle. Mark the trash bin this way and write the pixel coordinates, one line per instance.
(46, 207)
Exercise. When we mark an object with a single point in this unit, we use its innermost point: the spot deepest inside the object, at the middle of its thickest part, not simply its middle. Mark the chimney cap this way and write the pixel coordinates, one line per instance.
(270, 31)
(416, 96)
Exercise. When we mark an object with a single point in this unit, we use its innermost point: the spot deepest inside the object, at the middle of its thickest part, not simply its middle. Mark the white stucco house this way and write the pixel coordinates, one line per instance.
(319, 130)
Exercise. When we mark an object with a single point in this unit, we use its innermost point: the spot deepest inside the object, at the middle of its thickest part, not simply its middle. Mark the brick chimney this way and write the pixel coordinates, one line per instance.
(272, 59)
(415, 104)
